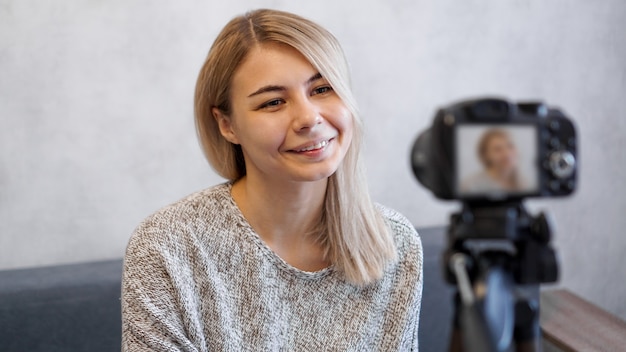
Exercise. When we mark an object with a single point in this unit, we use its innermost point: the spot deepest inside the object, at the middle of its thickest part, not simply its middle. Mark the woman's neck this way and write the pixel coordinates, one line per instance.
(506, 178)
(284, 214)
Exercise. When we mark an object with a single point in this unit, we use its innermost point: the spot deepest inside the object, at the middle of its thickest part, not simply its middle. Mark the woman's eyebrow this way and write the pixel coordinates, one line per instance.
(275, 88)
(314, 78)
(265, 89)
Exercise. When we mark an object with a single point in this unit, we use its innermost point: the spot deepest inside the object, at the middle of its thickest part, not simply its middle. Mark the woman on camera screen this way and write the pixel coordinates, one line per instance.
(290, 254)
(499, 157)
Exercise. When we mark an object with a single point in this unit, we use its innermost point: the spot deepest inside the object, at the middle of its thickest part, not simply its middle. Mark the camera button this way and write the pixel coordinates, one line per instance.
(555, 143)
(554, 125)
(571, 185)
(555, 186)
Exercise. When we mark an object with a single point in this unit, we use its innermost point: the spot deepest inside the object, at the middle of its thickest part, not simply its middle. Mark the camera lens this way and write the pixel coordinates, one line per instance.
(420, 158)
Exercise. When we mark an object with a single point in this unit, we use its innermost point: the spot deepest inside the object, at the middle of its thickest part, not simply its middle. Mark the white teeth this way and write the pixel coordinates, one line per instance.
(319, 145)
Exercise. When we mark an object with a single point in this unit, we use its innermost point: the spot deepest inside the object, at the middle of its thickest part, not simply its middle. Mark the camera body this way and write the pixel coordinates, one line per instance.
(492, 150)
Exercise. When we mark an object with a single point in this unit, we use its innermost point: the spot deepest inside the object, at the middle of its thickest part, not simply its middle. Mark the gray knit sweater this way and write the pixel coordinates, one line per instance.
(198, 278)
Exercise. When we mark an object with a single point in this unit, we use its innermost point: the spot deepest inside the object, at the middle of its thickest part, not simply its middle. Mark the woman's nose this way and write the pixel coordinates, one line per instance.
(306, 116)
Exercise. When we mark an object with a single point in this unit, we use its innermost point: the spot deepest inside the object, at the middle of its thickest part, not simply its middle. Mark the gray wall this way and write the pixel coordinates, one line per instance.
(96, 126)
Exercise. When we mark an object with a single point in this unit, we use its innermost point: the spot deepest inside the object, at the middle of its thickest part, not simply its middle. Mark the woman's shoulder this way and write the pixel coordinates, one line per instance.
(403, 230)
(395, 218)
(198, 211)
(408, 243)
(479, 182)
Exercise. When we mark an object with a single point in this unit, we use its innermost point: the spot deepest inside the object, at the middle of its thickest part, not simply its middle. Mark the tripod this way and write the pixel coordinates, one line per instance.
(497, 255)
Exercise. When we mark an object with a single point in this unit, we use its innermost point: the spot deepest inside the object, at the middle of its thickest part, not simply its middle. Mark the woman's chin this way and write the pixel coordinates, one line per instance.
(314, 175)
(312, 172)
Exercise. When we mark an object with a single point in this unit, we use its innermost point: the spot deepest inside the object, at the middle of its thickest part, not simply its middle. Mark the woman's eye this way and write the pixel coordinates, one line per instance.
(322, 90)
(271, 104)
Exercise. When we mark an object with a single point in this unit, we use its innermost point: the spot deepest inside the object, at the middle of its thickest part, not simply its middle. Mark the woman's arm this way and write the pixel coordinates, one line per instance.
(151, 316)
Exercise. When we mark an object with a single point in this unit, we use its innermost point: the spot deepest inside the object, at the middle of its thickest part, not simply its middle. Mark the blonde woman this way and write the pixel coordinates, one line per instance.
(290, 254)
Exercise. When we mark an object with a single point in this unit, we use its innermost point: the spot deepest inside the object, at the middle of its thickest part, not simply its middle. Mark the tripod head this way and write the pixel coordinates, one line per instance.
(504, 232)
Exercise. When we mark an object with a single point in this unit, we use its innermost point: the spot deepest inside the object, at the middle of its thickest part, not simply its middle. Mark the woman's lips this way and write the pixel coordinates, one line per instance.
(314, 146)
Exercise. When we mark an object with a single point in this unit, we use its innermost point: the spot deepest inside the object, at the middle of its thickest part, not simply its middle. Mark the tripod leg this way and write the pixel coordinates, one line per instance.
(456, 341)
(456, 338)
(527, 333)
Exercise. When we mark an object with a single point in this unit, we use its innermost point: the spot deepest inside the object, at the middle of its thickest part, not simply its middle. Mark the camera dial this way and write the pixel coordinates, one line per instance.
(562, 164)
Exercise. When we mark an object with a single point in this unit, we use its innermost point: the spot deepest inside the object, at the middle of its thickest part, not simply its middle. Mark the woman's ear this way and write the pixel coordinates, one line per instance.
(225, 124)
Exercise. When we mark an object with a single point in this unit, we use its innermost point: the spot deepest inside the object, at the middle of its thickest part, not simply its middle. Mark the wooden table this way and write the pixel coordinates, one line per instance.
(570, 323)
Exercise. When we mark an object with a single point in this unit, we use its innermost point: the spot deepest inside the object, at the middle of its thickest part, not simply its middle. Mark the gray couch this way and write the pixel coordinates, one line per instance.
(77, 307)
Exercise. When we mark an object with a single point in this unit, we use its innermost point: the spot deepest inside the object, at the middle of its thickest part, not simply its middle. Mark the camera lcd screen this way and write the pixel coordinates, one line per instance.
(496, 160)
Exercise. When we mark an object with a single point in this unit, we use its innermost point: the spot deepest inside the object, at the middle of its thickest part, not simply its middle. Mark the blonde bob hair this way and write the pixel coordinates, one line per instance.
(355, 237)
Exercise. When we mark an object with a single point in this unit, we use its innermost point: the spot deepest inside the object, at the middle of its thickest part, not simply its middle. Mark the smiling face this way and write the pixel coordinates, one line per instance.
(501, 154)
(290, 123)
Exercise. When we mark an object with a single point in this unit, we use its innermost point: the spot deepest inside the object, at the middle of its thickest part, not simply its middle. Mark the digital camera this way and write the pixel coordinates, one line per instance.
(492, 150)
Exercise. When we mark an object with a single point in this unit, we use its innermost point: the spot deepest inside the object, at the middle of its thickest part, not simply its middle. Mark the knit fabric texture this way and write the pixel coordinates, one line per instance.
(198, 278)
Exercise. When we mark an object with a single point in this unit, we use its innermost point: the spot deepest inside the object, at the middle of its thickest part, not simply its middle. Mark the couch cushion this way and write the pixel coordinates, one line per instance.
(437, 299)
(61, 308)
